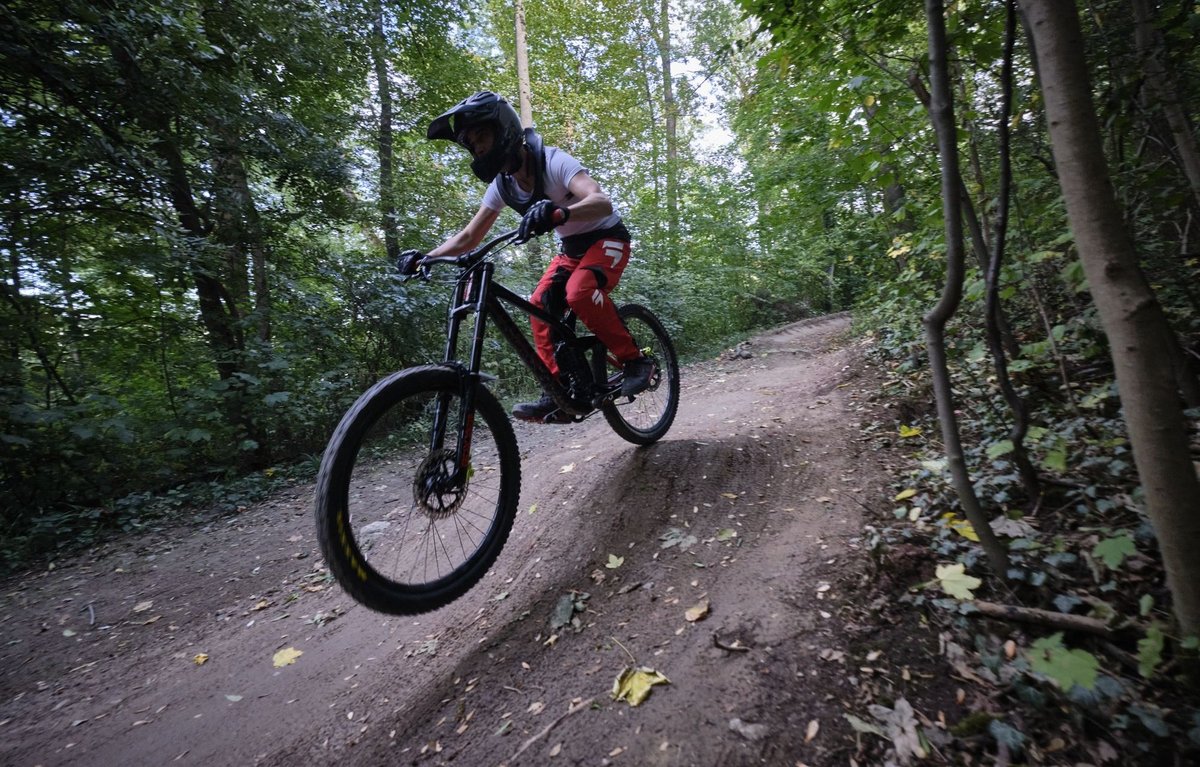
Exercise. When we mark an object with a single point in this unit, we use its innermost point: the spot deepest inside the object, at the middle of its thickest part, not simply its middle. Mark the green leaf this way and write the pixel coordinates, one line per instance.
(1145, 605)
(277, 398)
(614, 562)
(1150, 650)
(955, 582)
(1049, 657)
(1003, 447)
(1056, 460)
(1112, 551)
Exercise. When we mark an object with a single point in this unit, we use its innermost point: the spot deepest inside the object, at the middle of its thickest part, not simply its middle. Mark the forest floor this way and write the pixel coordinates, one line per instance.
(749, 515)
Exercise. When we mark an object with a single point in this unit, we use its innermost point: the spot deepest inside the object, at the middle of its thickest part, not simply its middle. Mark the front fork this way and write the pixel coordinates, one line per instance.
(470, 295)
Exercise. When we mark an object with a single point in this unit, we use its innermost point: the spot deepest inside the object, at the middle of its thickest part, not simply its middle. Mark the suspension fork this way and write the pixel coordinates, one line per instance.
(470, 296)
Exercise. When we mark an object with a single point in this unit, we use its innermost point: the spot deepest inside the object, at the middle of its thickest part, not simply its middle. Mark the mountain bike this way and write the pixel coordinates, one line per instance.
(419, 486)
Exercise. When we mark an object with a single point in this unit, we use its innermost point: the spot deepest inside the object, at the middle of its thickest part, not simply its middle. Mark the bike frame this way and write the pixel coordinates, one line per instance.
(476, 292)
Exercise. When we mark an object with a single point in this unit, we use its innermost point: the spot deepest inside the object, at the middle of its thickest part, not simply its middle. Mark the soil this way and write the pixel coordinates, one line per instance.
(160, 649)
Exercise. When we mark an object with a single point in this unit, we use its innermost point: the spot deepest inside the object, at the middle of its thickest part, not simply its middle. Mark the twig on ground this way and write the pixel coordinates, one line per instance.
(581, 705)
(1044, 618)
(632, 659)
(728, 647)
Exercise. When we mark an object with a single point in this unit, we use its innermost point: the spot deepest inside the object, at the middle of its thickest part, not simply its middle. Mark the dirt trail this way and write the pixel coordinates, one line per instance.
(764, 467)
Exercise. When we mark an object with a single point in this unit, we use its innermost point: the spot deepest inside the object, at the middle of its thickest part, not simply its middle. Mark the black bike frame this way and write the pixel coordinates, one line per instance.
(476, 292)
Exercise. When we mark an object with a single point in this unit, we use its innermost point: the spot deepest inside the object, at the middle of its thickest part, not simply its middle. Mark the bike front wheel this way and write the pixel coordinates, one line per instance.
(646, 417)
(403, 528)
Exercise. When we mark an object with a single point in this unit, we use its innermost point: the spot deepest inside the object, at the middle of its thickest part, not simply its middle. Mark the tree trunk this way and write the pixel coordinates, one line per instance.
(524, 91)
(1162, 91)
(387, 193)
(992, 312)
(1160, 82)
(942, 113)
(661, 29)
(1139, 337)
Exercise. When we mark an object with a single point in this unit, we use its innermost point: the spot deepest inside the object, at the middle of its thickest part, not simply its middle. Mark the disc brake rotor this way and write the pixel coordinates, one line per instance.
(434, 491)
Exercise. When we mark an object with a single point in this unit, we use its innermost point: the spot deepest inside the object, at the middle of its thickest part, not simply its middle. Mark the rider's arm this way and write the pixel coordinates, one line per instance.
(591, 202)
(471, 235)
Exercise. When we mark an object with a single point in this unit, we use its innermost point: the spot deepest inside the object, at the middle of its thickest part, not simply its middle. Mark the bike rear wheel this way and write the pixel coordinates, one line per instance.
(399, 532)
(646, 417)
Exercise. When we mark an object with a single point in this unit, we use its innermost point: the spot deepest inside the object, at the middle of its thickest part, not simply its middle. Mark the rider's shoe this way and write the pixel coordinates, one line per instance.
(545, 410)
(638, 373)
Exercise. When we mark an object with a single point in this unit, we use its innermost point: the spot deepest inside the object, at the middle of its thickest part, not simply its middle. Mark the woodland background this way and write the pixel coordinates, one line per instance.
(201, 202)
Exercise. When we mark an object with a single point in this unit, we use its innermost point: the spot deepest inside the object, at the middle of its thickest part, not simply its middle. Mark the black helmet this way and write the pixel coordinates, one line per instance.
(483, 108)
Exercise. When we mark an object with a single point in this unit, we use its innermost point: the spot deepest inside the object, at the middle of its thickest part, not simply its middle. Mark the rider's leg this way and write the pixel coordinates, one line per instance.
(550, 294)
(587, 294)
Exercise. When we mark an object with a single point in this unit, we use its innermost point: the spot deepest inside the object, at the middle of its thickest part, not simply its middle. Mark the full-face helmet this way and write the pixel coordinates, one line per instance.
(484, 109)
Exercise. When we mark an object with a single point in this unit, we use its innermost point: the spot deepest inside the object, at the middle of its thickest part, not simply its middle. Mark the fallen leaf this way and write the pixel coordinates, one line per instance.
(726, 534)
(904, 495)
(567, 469)
(962, 527)
(824, 499)
(901, 727)
(633, 685)
(860, 725)
(142, 607)
(68, 632)
(729, 495)
(533, 508)
(874, 655)
(747, 730)
(200, 659)
(233, 698)
(286, 657)
(536, 707)
(909, 431)
(262, 604)
(556, 750)
(813, 728)
(955, 582)
(614, 562)
(697, 612)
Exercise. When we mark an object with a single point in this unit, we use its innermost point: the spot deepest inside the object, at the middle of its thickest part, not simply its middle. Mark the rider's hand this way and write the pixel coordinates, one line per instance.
(541, 218)
(406, 264)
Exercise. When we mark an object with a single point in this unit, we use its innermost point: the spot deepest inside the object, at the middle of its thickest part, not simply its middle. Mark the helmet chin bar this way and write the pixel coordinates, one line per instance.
(494, 163)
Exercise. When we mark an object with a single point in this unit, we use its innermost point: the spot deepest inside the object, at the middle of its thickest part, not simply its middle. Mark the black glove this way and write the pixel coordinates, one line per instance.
(406, 263)
(541, 218)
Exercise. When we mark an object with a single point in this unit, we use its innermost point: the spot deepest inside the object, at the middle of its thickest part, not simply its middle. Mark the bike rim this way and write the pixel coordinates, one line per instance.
(411, 523)
(646, 410)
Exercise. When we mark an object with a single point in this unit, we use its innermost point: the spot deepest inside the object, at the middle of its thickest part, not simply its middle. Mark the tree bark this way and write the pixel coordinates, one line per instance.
(942, 113)
(1162, 91)
(992, 312)
(524, 91)
(661, 30)
(387, 194)
(1160, 82)
(1139, 337)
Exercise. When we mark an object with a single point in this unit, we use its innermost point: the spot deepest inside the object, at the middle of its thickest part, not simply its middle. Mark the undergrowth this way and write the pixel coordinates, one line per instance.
(1093, 671)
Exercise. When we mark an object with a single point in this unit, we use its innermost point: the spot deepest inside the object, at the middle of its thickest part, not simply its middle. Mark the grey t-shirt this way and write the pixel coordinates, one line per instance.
(560, 169)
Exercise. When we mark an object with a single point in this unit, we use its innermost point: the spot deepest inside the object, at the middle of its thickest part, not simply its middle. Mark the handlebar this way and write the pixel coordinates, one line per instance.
(469, 258)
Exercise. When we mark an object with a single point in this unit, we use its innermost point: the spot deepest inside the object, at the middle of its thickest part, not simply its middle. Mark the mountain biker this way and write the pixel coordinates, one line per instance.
(551, 190)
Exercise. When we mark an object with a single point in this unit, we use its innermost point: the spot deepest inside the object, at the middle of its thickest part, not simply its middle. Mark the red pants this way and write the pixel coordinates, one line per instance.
(584, 283)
